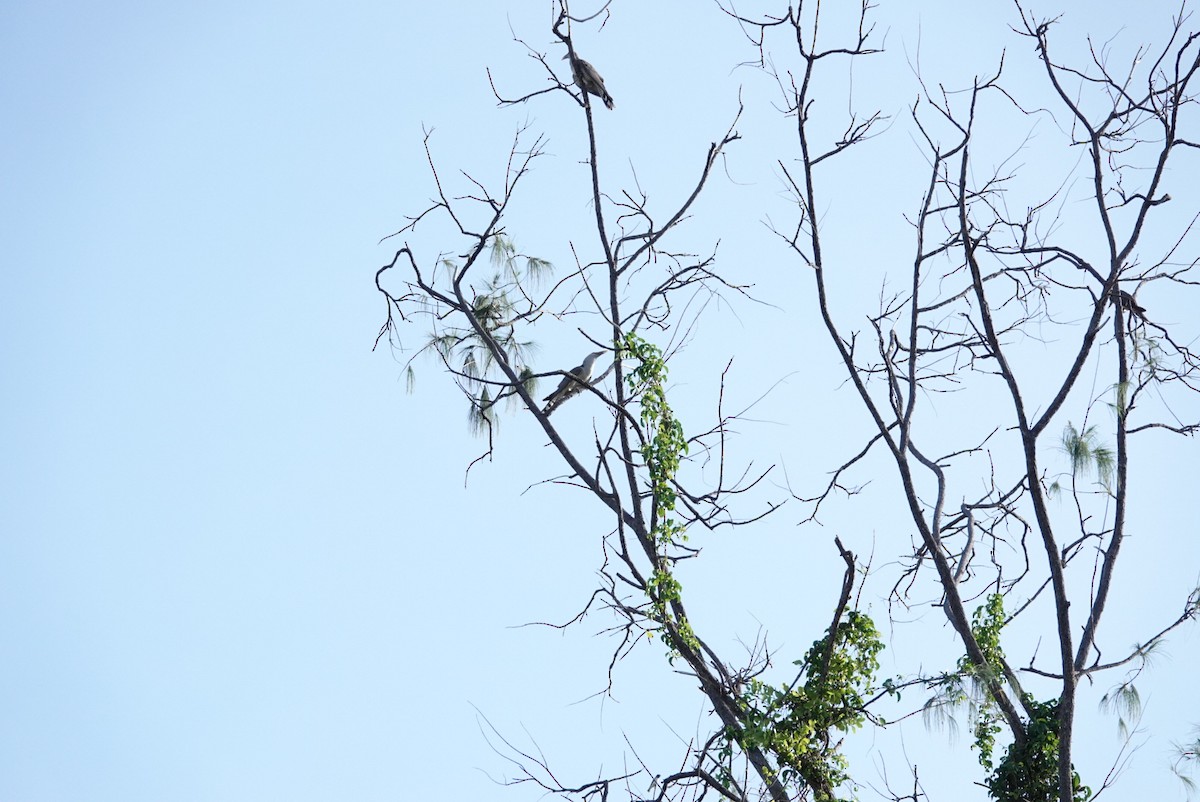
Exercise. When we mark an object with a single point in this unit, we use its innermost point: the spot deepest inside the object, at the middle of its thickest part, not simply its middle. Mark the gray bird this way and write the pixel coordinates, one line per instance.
(1129, 303)
(572, 383)
(589, 80)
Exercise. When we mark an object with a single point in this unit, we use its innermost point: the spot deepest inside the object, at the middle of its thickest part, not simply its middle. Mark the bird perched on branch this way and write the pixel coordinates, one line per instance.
(572, 384)
(1128, 303)
(589, 80)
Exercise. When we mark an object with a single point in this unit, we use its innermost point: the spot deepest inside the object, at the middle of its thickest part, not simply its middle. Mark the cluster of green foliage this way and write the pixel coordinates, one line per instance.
(467, 351)
(986, 624)
(662, 450)
(665, 444)
(1088, 454)
(796, 722)
(1027, 772)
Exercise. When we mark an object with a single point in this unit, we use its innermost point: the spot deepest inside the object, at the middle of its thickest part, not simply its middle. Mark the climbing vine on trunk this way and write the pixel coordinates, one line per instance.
(797, 722)
(662, 450)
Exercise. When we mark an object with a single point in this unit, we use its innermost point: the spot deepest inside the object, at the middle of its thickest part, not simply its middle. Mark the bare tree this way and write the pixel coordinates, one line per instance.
(984, 286)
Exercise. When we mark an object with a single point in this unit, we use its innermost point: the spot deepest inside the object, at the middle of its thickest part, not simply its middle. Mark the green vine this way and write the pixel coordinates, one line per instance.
(796, 722)
(1026, 773)
(662, 451)
(986, 624)
(1029, 773)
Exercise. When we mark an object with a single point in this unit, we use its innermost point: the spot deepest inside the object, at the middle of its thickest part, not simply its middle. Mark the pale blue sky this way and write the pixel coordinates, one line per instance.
(237, 560)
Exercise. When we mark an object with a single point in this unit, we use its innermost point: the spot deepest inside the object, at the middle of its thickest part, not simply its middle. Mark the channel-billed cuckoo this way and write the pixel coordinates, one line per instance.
(572, 384)
(589, 80)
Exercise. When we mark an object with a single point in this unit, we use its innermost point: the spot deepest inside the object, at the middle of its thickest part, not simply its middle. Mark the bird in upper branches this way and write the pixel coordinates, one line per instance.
(589, 79)
(1127, 302)
(572, 384)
